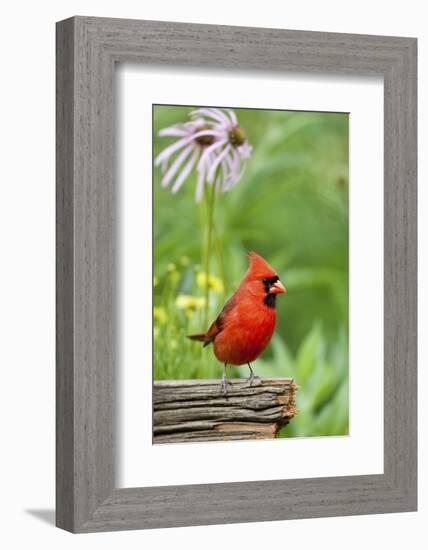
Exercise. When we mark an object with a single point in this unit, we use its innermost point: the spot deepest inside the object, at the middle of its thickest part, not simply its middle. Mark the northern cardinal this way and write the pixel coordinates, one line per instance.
(246, 323)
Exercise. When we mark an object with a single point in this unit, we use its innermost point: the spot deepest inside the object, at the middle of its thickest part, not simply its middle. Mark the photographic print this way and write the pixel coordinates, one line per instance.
(250, 273)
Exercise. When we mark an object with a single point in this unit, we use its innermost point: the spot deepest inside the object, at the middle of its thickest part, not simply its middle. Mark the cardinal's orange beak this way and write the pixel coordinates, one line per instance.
(277, 288)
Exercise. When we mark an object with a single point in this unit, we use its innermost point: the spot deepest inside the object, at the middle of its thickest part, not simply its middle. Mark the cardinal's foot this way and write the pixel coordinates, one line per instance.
(224, 383)
(253, 379)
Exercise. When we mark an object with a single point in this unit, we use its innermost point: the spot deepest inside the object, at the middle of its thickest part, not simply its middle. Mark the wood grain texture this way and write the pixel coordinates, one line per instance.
(64, 278)
(87, 50)
(198, 410)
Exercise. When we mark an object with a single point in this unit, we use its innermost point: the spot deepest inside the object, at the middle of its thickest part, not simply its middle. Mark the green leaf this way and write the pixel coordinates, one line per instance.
(308, 354)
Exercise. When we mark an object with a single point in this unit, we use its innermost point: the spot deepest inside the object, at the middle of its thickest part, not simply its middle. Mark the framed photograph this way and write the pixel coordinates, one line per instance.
(236, 274)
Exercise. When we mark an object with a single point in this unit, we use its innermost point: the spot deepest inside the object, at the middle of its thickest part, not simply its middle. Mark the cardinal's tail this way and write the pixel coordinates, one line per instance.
(203, 337)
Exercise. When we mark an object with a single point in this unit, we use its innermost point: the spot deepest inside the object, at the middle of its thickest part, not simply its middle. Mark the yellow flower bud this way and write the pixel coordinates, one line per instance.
(214, 283)
(160, 315)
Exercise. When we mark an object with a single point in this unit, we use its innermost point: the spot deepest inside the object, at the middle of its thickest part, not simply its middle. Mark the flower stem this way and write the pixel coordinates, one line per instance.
(211, 204)
(219, 254)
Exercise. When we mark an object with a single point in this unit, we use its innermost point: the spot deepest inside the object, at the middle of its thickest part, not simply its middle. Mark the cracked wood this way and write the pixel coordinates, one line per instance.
(197, 410)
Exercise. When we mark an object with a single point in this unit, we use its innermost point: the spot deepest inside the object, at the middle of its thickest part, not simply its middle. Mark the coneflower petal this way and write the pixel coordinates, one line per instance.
(233, 117)
(232, 162)
(211, 133)
(172, 131)
(226, 165)
(235, 163)
(223, 177)
(237, 170)
(176, 165)
(185, 172)
(200, 185)
(216, 162)
(222, 116)
(205, 155)
(235, 180)
(208, 112)
(166, 153)
(245, 150)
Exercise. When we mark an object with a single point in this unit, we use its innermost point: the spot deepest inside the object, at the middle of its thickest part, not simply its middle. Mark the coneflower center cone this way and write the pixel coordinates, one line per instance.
(237, 136)
(204, 141)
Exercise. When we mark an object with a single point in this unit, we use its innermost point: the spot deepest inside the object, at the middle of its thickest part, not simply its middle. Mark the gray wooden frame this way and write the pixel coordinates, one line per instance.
(87, 50)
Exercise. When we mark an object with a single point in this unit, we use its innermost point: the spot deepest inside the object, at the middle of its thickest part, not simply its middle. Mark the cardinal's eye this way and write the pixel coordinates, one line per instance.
(265, 281)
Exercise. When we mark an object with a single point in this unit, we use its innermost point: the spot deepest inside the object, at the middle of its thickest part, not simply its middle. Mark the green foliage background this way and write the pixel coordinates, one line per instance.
(291, 206)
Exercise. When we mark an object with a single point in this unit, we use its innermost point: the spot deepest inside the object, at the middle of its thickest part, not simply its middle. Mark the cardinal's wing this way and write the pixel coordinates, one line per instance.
(218, 325)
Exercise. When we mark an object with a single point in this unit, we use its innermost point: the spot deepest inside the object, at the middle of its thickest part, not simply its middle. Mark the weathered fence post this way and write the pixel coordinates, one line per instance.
(197, 410)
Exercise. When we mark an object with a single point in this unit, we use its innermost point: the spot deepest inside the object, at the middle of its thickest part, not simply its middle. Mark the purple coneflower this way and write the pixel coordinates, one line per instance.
(213, 142)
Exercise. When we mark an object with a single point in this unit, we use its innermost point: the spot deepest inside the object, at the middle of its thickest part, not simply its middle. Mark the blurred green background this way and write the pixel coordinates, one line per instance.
(291, 206)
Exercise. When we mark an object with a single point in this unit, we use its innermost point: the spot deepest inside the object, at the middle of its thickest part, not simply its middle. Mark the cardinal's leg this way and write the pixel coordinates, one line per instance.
(252, 376)
(224, 381)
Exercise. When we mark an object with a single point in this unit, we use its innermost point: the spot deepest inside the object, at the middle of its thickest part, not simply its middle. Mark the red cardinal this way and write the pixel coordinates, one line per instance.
(246, 323)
